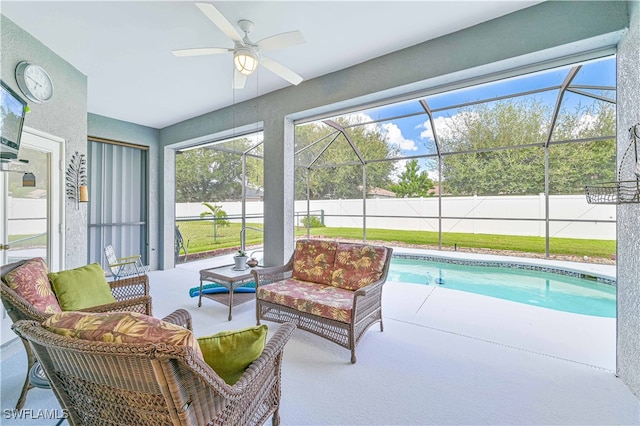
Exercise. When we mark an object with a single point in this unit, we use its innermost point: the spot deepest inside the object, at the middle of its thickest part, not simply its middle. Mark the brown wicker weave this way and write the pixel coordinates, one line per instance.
(131, 294)
(366, 311)
(104, 384)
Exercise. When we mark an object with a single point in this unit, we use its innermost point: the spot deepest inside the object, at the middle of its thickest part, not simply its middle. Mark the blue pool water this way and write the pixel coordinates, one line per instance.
(545, 289)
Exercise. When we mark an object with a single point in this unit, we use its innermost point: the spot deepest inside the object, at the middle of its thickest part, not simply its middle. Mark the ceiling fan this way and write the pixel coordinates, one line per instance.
(247, 55)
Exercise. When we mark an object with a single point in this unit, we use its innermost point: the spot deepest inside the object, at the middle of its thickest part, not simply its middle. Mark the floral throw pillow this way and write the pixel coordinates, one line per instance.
(120, 327)
(30, 281)
(358, 265)
(313, 260)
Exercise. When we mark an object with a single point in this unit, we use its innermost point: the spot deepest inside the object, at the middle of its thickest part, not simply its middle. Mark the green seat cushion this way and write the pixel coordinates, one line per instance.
(81, 288)
(229, 353)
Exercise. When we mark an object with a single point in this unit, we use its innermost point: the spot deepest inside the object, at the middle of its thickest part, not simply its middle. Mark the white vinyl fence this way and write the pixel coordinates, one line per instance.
(570, 215)
(27, 216)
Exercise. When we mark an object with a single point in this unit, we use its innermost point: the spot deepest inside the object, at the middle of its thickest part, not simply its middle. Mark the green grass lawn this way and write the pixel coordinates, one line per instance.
(561, 246)
(29, 242)
(200, 236)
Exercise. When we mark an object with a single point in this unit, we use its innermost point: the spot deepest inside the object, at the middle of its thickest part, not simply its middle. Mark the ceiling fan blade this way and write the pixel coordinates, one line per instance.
(281, 71)
(221, 22)
(280, 41)
(201, 51)
(239, 79)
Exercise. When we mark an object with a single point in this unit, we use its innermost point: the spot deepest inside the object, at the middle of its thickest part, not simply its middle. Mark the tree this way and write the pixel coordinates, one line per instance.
(574, 165)
(206, 174)
(501, 124)
(219, 217)
(215, 173)
(413, 183)
(508, 123)
(342, 176)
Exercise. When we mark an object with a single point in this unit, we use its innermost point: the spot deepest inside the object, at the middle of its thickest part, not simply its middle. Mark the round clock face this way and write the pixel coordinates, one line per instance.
(34, 82)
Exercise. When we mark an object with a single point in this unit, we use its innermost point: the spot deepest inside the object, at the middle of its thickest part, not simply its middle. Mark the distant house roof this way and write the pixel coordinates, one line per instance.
(381, 193)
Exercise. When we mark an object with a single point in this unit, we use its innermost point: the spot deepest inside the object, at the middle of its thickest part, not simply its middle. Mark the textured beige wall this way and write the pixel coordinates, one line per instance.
(628, 350)
(64, 116)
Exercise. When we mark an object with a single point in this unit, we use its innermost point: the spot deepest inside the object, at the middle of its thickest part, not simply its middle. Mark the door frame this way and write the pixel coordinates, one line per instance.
(54, 146)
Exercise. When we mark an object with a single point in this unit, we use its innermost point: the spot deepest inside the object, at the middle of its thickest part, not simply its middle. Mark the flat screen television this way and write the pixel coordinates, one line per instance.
(12, 113)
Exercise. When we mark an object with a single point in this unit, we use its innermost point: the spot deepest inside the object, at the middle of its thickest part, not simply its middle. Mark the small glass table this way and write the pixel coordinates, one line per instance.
(230, 278)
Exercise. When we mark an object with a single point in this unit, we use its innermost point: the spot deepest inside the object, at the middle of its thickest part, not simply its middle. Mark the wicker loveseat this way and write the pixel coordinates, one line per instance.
(329, 288)
(124, 369)
(130, 294)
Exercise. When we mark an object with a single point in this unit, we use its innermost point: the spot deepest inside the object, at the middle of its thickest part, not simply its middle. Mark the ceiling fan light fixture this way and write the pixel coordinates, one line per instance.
(245, 60)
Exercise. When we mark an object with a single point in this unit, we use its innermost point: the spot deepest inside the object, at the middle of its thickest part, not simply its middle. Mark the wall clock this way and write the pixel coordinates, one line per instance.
(34, 82)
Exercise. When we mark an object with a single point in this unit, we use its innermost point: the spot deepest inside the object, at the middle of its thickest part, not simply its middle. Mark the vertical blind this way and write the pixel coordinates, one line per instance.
(117, 207)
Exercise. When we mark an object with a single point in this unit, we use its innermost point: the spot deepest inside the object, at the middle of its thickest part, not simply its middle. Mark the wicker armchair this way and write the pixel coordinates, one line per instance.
(131, 295)
(154, 384)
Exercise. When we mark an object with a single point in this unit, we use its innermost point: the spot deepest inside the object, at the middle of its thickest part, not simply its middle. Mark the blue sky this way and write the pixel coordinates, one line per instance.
(413, 137)
(412, 129)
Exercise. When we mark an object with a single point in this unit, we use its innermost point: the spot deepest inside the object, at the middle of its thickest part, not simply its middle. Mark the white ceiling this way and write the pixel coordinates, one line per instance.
(123, 47)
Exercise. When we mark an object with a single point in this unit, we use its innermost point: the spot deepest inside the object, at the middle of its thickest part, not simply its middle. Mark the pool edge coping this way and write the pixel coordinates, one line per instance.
(514, 262)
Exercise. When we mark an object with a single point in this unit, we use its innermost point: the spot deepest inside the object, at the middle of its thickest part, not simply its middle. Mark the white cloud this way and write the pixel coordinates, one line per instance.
(433, 175)
(398, 167)
(445, 125)
(359, 117)
(394, 137)
(426, 133)
(585, 122)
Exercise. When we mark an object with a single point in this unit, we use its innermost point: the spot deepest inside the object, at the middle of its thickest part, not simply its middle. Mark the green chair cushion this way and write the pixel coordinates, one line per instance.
(81, 288)
(229, 353)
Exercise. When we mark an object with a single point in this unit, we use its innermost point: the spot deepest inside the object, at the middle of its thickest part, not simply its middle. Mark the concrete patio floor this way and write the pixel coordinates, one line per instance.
(445, 357)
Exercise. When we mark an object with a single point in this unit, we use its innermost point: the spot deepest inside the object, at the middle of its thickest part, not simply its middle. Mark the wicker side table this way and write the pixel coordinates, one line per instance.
(230, 278)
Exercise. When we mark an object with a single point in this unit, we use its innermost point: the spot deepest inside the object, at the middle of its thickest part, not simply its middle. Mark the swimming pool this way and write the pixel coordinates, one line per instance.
(517, 283)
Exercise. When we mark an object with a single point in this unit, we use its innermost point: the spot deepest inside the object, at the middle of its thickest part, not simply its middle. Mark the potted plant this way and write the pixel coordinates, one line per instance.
(240, 260)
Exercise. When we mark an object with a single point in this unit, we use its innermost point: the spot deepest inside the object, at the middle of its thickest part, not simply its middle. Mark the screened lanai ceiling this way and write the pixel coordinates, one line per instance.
(540, 136)
(426, 127)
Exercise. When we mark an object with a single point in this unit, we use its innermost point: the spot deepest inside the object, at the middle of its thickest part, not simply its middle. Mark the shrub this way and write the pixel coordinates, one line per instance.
(314, 222)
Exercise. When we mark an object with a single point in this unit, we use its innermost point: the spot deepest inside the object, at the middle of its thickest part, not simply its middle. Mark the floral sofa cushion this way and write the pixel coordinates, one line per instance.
(30, 281)
(313, 260)
(120, 327)
(357, 265)
(317, 299)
